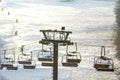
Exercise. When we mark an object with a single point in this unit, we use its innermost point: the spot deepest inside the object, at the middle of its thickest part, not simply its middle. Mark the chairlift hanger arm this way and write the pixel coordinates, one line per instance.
(102, 50)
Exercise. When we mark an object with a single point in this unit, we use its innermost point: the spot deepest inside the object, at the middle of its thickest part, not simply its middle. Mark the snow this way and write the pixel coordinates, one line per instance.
(91, 21)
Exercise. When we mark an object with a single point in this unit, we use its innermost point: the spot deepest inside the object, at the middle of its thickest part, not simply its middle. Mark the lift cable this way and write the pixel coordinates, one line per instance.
(20, 46)
(79, 44)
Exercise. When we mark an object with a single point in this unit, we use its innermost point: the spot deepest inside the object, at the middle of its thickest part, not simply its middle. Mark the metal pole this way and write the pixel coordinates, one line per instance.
(55, 64)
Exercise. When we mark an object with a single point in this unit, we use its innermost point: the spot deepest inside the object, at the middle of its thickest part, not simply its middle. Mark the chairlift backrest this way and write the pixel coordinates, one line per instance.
(67, 47)
(9, 57)
(48, 52)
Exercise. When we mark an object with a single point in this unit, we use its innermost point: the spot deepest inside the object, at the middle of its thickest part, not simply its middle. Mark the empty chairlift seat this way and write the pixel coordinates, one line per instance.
(74, 57)
(13, 67)
(102, 63)
(9, 64)
(68, 63)
(24, 59)
(32, 64)
(46, 57)
(6, 62)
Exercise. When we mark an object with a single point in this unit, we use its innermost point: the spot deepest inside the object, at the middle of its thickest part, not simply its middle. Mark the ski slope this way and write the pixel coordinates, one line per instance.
(91, 21)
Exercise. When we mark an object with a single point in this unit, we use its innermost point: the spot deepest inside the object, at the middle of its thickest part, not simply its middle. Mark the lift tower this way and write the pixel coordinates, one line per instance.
(56, 37)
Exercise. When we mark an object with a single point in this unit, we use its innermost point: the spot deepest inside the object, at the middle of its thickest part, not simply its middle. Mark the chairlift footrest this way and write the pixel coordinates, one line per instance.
(6, 65)
(29, 67)
(105, 69)
(12, 68)
(70, 64)
(47, 64)
(74, 60)
(101, 65)
(24, 62)
(44, 59)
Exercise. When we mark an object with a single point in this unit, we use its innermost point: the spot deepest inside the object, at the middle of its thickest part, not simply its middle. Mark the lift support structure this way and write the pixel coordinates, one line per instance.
(55, 37)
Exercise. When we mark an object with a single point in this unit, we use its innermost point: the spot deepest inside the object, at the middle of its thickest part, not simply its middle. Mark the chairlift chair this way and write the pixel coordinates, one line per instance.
(30, 66)
(8, 62)
(13, 67)
(45, 55)
(73, 56)
(66, 63)
(15, 64)
(102, 63)
(24, 59)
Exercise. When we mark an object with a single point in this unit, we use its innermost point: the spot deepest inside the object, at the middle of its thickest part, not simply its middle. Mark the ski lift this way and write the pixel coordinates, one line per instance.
(68, 64)
(30, 66)
(24, 58)
(73, 56)
(8, 62)
(102, 63)
(14, 65)
(45, 55)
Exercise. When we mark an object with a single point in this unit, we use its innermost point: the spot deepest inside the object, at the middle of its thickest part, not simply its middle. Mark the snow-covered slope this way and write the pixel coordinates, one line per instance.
(91, 21)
